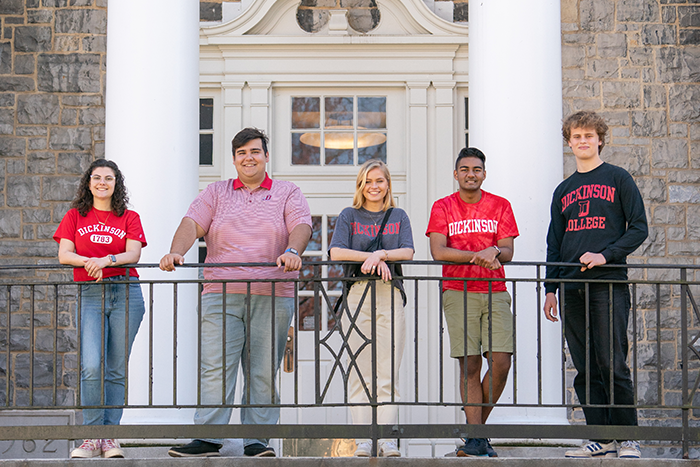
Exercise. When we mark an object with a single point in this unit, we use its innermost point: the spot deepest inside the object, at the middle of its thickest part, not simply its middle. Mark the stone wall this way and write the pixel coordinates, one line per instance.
(637, 62)
(52, 69)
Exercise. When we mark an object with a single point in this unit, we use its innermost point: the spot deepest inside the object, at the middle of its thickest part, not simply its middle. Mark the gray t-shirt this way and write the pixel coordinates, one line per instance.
(356, 228)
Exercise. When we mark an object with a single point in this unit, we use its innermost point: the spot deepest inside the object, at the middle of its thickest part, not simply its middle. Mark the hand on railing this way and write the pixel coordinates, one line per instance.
(168, 262)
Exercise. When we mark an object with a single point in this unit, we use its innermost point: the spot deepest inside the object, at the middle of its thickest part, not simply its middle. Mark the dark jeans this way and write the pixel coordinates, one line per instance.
(599, 352)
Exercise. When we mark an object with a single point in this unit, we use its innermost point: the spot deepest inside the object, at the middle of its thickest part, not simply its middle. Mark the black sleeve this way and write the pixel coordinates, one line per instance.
(637, 229)
(557, 225)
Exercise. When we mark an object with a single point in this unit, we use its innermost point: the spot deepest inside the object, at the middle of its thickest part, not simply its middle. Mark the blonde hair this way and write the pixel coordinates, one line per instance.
(359, 199)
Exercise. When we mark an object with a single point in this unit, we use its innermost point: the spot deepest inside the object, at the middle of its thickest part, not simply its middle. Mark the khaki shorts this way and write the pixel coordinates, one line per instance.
(478, 322)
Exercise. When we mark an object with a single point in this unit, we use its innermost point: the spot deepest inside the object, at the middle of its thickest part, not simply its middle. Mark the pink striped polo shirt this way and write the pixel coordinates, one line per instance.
(244, 226)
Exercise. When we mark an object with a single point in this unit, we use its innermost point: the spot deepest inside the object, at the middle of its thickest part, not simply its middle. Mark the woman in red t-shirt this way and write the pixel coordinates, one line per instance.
(96, 233)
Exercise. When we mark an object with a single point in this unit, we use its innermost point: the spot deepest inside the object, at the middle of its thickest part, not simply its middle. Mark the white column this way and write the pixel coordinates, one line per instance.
(515, 116)
(152, 133)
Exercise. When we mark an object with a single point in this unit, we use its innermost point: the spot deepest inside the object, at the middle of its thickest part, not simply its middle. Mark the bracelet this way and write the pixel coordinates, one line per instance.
(498, 250)
(292, 250)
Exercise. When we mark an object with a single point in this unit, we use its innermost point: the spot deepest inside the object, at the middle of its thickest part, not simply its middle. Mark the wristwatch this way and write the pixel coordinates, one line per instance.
(498, 251)
(113, 259)
(292, 250)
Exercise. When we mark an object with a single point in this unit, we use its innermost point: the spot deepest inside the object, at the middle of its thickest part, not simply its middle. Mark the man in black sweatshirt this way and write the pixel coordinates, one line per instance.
(597, 218)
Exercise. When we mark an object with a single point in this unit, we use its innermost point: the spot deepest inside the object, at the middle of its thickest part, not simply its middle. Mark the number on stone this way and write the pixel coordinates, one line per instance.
(46, 446)
(12, 443)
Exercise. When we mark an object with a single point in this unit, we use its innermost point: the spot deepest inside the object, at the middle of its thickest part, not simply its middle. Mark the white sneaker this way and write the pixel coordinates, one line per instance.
(111, 448)
(594, 449)
(363, 450)
(89, 448)
(388, 449)
(629, 450)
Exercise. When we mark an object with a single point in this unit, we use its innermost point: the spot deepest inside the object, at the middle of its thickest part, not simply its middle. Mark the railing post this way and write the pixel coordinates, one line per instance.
(317, 332)
(684, 361)
(373, 376)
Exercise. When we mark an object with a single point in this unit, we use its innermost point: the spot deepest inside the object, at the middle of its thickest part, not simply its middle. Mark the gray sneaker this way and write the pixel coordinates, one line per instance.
(629, 450)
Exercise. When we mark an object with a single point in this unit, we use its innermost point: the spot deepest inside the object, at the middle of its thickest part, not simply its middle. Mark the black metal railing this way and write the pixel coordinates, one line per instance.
(40, 337)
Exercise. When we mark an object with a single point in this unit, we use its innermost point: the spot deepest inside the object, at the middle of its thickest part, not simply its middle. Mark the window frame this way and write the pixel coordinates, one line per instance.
(281, 159)
(215, 171)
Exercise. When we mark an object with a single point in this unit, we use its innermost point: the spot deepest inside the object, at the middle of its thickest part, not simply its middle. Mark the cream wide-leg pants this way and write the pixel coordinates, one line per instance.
(390, 319)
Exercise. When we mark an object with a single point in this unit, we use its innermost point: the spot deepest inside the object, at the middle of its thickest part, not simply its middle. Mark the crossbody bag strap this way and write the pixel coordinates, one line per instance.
(386, 218)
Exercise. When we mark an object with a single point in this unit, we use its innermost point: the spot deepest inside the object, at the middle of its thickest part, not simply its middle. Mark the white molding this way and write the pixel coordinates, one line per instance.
(407, 19)
(338, 22)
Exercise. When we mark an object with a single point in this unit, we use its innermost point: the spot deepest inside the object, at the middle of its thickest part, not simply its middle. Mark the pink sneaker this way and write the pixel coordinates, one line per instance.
(89, 448)
(111, 448)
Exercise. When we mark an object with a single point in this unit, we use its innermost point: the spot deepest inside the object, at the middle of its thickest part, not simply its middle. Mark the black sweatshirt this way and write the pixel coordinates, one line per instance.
(600, 211)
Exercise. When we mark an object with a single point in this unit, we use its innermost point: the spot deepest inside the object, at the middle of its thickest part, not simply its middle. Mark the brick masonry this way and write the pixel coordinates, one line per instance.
(52, 69)
(635, 61)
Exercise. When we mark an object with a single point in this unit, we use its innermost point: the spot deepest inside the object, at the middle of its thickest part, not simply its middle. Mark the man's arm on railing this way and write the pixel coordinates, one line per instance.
(298, 239)
(184, 238)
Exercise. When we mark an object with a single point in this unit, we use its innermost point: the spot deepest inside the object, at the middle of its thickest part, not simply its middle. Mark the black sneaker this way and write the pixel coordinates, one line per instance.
(489, 449)
(196, 448)
(474, 447)
(258, 450)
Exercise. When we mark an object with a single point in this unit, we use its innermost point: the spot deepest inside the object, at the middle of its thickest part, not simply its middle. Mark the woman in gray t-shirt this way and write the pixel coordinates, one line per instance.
(355, 229)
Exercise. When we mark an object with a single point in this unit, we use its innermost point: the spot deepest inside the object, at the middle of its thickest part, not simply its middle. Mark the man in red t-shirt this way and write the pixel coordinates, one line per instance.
(475, 227)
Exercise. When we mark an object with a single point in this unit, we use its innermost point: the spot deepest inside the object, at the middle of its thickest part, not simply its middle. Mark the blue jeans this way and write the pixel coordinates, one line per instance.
(599, 357)
(108, 356)
(259, 376)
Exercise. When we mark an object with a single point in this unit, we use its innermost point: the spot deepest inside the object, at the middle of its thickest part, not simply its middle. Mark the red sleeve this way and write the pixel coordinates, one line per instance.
(507, 226)
(66, 229)
(134, 229)
(438, 219)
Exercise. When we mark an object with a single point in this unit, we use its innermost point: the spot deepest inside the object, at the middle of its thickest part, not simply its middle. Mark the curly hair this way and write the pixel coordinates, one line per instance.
(585, 119)
(359, 199)
(83, 198)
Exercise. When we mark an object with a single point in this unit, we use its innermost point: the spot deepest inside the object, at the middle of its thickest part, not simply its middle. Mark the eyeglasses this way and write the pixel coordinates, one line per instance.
(98, 179)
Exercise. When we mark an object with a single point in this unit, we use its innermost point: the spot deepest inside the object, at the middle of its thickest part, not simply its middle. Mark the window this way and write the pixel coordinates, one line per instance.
(206, 132)
(211, 141)
(338, 130)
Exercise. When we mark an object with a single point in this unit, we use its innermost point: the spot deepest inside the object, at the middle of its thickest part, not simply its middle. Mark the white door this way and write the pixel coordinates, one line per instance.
(320, 138)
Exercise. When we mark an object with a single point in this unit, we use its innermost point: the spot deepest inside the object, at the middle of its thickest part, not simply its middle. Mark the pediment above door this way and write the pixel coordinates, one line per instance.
(399, 20)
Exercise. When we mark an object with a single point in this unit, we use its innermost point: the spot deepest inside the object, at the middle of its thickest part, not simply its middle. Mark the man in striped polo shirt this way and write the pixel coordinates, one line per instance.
(250, 219)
